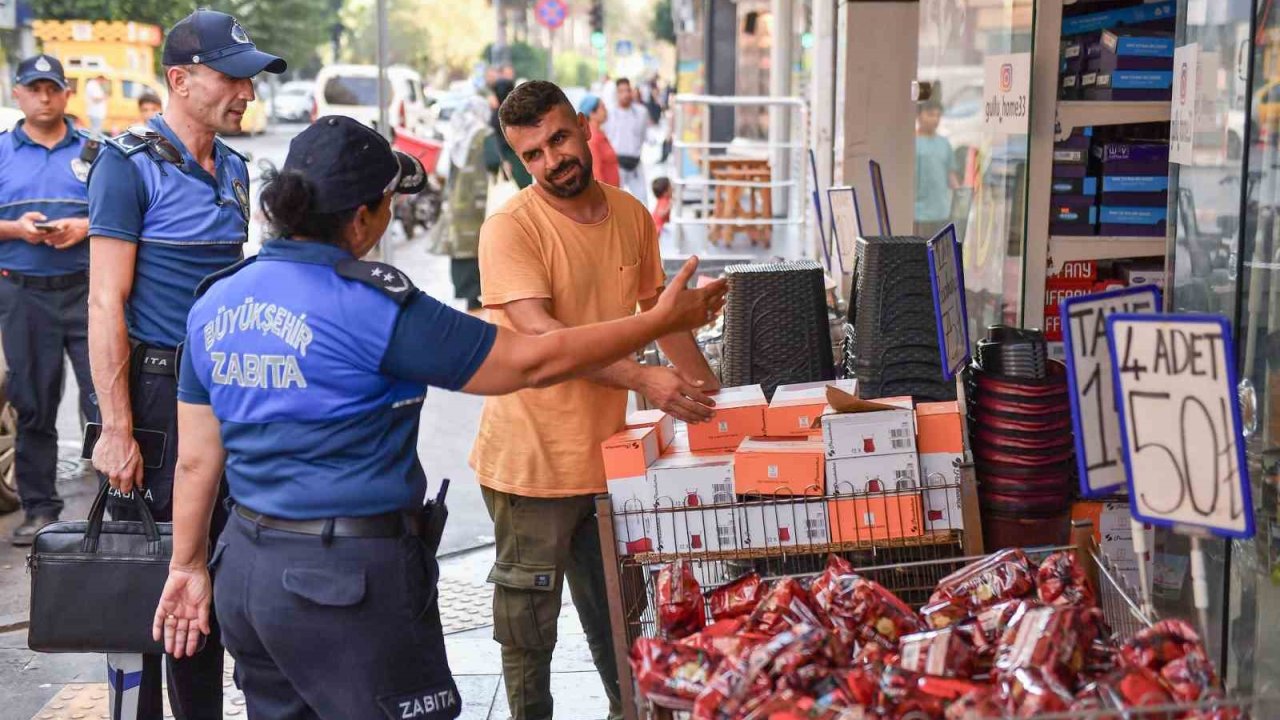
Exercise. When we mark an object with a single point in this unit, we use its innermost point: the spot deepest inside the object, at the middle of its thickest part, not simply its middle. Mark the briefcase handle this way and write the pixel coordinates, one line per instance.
(91, 534)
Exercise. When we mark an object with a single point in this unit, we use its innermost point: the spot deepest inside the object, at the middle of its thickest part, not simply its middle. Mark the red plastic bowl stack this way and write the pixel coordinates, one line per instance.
(1020, 432)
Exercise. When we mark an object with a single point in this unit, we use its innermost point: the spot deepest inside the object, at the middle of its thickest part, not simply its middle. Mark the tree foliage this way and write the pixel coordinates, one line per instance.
(529, 62)
(427, 35)
(663, 24)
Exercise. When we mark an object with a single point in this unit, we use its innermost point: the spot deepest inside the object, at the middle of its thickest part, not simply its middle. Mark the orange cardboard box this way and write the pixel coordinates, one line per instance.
(630, 452)
(940, 442)
(876, 517)
(739, 415)
(779, 467)
(665, 424)
(794, 408)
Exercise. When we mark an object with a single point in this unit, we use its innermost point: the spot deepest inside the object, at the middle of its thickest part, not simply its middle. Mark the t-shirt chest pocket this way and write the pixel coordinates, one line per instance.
(628, 285)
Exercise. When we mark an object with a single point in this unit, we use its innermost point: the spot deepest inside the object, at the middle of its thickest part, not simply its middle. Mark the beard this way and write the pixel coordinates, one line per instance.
(574, 187)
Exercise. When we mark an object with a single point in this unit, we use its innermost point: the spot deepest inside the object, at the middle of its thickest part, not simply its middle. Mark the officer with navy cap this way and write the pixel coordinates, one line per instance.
(304, 375)
(44, 281)
(168, 205)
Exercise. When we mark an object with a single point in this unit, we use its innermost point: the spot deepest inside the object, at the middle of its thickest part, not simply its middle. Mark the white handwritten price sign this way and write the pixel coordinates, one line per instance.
(1175, 380)
(946, 275)
(1093, 407)
(846, 222)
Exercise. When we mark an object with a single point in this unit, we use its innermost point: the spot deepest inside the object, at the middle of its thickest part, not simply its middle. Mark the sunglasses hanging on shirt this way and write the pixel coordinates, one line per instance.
(159, 143)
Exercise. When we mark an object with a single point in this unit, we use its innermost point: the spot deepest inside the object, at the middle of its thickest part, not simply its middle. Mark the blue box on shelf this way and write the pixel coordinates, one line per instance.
(1154, 15)
(1074, 186)
(1133, 221)
(1135, 190)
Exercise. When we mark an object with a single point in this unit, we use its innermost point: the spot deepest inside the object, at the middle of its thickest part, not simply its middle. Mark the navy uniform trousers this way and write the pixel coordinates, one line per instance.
(41, 319)
(195, 683)
(337, 628)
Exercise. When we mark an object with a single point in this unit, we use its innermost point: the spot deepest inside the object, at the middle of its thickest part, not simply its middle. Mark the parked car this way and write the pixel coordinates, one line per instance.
(352, 91)
(293, 101)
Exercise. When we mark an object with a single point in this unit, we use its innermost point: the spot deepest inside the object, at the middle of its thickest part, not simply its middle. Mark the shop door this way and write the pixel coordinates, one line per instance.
(1227, 262)
(967, 172)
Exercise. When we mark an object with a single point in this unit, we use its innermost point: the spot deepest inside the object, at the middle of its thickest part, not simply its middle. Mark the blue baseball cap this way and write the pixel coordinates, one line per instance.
(209, 37)
(349, 164)
(41, 67)
(588, 104)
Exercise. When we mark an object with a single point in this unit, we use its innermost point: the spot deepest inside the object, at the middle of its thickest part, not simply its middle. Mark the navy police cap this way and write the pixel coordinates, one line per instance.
(349, 164)
(41, 67)
(208, 37)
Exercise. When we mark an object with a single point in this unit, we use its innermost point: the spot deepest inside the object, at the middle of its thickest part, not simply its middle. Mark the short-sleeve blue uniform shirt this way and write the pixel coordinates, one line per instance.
(46, 180)
(318, 380)
(186, 223)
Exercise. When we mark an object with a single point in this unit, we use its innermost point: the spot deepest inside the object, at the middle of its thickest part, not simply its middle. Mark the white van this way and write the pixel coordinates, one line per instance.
(352, 91)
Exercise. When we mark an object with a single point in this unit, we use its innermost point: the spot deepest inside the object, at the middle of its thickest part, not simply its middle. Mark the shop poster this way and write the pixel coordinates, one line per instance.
(1006, 94)
(1093, 409)
(946, 275)
(1182, 111)
(1175, 383)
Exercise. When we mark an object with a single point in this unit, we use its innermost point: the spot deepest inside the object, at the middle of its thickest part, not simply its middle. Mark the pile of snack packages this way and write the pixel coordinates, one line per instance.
(998, 638)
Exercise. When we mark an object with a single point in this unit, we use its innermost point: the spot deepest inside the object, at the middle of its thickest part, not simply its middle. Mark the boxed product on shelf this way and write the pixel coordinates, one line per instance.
(1132, 86)
(875, 517)
(783, 523)
(1075, 270)
(875, 430)
(764, 466)
(1072, 209)
(1143, 273)
(630, 452)
(664, 423)
(1088, 80)
(1156, 15)
(635, 524)
(1131, 50)
(1132, 158)
(1073, 55)
(689, 482)
(1066, 156)
(1078, 229)
(795, 408)
(940, 437)
(1065, 170)
(1108, 284)
(1074, 186)
(739, 414)
(1132, 221)
(877, 473)
(1135, 190)
(1069, 85)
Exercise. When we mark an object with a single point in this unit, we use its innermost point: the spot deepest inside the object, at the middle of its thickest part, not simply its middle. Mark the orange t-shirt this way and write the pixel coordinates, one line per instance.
(546, 442)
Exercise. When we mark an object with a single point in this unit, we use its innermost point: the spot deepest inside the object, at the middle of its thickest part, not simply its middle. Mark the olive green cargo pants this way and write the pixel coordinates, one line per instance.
(540, 542)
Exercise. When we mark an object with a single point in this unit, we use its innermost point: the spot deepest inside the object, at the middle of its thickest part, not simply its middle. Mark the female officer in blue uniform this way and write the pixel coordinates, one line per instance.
(303, 374)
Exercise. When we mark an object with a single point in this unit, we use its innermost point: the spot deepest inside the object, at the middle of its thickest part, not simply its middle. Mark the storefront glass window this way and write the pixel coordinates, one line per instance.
(965, 173)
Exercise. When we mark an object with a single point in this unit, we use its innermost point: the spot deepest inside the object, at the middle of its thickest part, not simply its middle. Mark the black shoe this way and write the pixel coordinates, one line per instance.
(25, 534)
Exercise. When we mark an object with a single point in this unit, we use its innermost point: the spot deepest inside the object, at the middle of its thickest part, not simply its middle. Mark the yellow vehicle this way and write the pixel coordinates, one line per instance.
(255, 118)
(123, 90)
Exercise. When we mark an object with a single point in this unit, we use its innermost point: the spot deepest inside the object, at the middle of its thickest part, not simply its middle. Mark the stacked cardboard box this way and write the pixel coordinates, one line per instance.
(1073, 208)
(1134, 179)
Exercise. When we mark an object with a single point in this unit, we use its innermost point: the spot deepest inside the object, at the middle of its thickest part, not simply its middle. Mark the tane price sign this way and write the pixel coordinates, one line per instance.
(1175, 380)
(946, 275)
(1089, 374)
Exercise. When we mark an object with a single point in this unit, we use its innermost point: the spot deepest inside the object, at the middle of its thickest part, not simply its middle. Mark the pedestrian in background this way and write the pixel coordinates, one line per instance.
(662, 203)
(565, 252)
(604, 161)
(628, 128)
(466, 193)
(936, 174)
(96, 92)
(168, 206)
(148, 106)
(325, 577)
(44, 283)
(501, 151)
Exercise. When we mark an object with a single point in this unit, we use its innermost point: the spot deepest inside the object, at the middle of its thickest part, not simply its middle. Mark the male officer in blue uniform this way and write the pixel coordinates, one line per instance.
(44, 281)
(168, 205)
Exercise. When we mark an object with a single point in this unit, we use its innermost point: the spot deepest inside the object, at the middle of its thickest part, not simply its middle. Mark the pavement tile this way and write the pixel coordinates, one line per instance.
(477, 693)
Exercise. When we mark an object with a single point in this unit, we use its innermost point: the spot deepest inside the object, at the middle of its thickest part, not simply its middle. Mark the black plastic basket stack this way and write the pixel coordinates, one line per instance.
(1020, 432)
(776, 329)
(891, 340)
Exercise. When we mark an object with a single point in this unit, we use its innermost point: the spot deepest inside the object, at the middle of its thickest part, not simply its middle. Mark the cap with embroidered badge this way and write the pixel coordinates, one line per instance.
(41, 67)
(216, 39)
(349, 164)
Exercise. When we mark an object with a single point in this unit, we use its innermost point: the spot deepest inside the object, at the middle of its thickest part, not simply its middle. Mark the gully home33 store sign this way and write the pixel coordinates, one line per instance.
(1006, 93)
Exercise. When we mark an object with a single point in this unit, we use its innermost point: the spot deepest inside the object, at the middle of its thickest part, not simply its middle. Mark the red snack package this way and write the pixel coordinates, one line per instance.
(738, 598)
(1061, 580)
(984, 702)
(1161, 644)
(1124, 689)
(1006, 575)
(681, 609)
(726, 638)
(901, 695)
(1033, 693)
(874, 654)
(726, 682)
(785, 605)
(1190, 677)
(944, 653)
(1052, 640)
(670, 674)
(863, 611)
(836, 567)
(861, 684)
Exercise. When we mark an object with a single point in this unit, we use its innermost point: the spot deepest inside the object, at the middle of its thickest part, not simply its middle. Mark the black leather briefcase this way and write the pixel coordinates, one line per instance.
(95, 584)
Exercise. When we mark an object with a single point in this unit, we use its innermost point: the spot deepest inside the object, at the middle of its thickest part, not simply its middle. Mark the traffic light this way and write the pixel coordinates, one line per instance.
(597, 16)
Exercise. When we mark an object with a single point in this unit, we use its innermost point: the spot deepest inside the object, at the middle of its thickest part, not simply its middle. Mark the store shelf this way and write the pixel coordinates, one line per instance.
(1083, 113)
(1066, 248)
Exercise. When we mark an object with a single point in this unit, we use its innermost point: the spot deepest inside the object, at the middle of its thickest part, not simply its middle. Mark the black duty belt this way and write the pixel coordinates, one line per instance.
(46, 282)
(386, 525)
(157, 361)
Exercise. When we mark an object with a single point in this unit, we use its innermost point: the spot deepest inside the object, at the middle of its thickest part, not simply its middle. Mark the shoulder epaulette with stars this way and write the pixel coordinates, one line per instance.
(379, 276)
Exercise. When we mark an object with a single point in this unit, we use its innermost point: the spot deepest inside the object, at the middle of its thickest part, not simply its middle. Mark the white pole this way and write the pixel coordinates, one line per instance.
(383, 126)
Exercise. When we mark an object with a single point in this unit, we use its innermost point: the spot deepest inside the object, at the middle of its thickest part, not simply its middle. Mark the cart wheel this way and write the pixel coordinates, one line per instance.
(8, 476)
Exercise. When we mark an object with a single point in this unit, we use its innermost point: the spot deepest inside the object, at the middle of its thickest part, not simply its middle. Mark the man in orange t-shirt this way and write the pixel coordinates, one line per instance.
(565, 251)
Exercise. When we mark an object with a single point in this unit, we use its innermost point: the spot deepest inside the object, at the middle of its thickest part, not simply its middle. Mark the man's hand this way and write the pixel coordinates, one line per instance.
(687, 310)
(676, 394)
(182, 615)
(69, 232)
(117, 456)
(28, 230)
